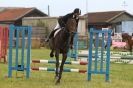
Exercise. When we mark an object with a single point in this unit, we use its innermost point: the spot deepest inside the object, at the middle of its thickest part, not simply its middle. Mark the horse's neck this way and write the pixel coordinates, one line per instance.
(65, 34)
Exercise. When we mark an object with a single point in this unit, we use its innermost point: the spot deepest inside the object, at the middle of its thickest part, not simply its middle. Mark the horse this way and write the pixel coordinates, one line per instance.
(128, 39)
(60, 44)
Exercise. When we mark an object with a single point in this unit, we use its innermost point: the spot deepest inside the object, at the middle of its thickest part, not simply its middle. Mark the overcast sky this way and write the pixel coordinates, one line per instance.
(62, 7)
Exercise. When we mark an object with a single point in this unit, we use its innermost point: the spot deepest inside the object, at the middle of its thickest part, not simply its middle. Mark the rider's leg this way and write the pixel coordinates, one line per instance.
(52, 32)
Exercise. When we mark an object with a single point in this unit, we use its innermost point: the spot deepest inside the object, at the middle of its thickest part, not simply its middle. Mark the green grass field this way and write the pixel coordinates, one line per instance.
(121, 76)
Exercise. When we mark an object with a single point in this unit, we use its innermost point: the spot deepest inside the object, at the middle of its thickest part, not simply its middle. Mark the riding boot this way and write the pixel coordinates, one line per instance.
(50, 36)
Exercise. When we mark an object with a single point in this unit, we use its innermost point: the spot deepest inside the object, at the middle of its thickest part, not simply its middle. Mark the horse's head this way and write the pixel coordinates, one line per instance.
(71, 25)
(126, 37)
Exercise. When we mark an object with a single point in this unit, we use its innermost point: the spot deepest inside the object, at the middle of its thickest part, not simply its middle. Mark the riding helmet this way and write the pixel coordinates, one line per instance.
(77, 10)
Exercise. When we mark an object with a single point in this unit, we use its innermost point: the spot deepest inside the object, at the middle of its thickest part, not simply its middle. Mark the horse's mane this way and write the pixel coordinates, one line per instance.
(71, 24)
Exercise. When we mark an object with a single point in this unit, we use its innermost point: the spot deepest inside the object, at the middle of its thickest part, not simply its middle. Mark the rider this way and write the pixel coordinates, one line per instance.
(63, 20)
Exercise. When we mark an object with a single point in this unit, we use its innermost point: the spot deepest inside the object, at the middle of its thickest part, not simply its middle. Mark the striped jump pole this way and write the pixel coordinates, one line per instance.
(67, 62)
(126, 61)
(111, 56)
(119, 53)
(117, 57)
(122, 57)
(111, 52)
(53, 69)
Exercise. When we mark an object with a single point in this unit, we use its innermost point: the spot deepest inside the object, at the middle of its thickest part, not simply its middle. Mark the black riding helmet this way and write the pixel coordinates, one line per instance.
(77, 10)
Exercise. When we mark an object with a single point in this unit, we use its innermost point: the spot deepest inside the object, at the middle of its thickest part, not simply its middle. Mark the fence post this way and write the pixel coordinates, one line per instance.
(21, 63)
(96, 58)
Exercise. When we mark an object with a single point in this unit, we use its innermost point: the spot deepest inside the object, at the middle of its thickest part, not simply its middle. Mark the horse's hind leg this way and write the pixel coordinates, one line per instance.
(57, 63)
(61, 67)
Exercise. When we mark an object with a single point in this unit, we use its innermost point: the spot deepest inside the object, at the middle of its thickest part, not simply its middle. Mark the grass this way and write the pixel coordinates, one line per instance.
(121, 76)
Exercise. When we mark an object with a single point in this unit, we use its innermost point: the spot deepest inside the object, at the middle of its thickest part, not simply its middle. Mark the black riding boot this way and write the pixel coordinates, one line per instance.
(50, 35)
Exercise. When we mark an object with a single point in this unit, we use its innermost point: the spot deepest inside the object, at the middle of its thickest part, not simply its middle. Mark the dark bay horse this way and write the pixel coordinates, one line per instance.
(60, 44)
(128, 39)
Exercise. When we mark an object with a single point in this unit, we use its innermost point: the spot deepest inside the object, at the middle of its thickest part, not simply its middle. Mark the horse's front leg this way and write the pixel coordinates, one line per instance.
(130, 49)
(52, 53)
(57, 63)
(64, 57)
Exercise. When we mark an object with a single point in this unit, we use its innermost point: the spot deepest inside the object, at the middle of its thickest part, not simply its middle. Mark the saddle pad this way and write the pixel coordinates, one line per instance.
(56, 32)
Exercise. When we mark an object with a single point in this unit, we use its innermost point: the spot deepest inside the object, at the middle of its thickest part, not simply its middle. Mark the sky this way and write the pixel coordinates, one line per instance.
(62, 7)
